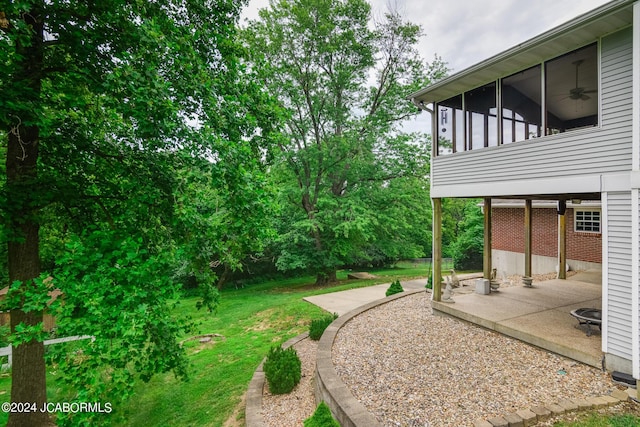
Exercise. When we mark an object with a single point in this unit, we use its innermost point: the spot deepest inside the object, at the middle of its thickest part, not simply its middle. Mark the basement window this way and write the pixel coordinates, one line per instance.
(587, 221)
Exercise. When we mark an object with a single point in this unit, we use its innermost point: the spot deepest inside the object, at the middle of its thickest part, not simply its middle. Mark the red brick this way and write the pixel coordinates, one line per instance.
(508, 234)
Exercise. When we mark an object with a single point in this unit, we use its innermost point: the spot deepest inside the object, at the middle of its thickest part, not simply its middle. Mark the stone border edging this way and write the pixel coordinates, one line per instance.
(530, 417)
(253, 408)
(329, 387)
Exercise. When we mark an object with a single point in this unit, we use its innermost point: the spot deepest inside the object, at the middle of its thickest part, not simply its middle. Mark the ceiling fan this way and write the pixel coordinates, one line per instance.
(579, 93)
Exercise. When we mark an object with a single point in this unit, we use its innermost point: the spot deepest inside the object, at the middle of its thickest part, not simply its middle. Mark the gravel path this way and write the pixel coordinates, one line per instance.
(411, 368)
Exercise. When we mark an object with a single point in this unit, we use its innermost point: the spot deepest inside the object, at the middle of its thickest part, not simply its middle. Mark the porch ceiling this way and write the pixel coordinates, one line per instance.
(576, 33)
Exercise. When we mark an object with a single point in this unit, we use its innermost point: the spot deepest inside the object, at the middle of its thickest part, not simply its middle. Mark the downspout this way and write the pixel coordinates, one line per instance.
(635, 198)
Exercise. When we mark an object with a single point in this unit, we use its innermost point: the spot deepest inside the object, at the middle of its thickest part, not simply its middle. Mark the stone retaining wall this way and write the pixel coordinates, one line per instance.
(329, 387)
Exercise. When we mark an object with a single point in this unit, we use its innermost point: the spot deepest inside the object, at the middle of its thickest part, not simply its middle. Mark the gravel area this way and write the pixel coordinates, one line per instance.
(411, 368)
(293, 408)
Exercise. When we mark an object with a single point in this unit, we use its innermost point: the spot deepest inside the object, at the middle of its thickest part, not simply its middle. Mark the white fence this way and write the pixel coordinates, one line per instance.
(8, 351)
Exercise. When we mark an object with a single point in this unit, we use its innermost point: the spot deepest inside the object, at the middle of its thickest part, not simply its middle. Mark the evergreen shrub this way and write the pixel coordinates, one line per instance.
(395, 288)
(319, 325)
(321, 418)
(282, 369)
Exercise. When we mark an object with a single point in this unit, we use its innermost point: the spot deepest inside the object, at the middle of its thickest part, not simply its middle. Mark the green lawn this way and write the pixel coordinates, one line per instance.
(251, 320)
(599, 420)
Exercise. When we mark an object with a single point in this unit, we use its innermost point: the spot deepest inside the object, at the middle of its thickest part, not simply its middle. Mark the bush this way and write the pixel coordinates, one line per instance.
(321, 418)
(282, 369)
(319, 325)
(395, 288)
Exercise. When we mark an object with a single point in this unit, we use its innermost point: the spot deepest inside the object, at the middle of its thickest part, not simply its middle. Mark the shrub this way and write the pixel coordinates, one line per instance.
(395, 288)
(321, 418)
(282, 369)
(319, 325)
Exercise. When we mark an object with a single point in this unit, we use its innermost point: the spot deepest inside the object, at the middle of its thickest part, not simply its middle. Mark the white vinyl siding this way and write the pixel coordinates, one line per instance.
(619, 274)
(591, 152)
(617, 79)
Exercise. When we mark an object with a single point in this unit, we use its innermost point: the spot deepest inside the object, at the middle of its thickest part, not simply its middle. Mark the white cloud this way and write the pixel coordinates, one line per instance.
(464, 33)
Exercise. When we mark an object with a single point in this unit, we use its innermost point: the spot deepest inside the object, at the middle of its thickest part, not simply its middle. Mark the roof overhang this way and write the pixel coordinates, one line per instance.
(571, 35)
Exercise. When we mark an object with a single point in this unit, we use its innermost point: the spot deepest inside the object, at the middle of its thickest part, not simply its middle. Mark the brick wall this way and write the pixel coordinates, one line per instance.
(508, 234)
(582, 246)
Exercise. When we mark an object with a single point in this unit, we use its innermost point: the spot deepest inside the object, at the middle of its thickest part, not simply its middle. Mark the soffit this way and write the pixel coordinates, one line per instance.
(576, 33)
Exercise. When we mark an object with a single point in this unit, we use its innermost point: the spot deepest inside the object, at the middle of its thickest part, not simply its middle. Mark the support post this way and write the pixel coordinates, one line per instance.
(562, 240)
(486, 258)
(527, 237)
(437, 250)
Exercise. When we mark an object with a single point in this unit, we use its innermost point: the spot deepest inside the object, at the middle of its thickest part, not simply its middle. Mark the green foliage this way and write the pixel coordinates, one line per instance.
(351, 184)
(99, 272)
(394, 288)
(282, 369)
(4, 335)
(429, 284)
(600, 420)
(319, 325)
(150, 167)
(322, 417)
(468, 247)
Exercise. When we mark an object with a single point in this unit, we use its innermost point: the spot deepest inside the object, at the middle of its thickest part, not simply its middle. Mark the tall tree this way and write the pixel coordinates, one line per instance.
(344, 86)
(104, 108)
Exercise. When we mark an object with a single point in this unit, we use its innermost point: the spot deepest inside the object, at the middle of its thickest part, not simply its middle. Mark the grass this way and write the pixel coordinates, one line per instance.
(251, 320)
(600, 420)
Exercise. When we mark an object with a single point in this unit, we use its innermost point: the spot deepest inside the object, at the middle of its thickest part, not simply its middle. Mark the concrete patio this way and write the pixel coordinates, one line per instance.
(539, 315)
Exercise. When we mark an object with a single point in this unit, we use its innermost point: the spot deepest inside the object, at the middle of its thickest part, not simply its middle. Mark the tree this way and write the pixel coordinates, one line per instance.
(108, 113)
(344, 87)
(468, 246)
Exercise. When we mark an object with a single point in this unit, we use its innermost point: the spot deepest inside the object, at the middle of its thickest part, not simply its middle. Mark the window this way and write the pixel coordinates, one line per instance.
(572, 90)
(587, 221)
(556, 96)
(522, 105)
(482, 117)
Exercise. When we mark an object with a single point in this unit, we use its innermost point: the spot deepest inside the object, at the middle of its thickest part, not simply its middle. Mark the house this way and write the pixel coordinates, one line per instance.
(556, 119)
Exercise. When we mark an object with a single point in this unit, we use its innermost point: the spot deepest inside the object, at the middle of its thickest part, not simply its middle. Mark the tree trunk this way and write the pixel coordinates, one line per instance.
(28, 382)
(326, 278)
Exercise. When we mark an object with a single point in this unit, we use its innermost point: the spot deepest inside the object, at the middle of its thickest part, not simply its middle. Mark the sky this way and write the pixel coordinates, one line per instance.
(465, 32)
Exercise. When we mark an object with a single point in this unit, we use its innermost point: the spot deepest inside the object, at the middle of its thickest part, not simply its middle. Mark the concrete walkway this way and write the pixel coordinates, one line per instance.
(344, 301)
